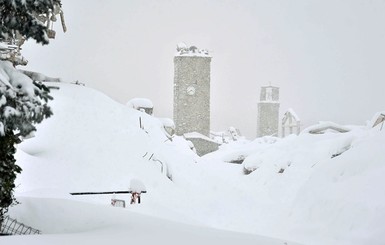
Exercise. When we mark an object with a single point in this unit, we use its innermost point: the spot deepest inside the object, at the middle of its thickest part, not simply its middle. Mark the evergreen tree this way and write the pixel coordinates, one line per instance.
(27, 18)
(23, 102)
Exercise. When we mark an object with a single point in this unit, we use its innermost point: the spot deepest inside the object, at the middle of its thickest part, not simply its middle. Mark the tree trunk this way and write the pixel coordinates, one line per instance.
(8, 171)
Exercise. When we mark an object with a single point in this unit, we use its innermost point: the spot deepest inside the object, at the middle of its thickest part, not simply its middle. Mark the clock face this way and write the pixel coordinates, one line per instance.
(190, 90)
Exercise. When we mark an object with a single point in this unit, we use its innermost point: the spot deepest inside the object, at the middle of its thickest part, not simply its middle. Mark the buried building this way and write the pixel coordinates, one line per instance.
(141, 104)
(291, 124)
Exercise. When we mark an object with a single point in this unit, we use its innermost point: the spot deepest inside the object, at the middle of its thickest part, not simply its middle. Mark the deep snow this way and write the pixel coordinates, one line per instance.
(312, 189)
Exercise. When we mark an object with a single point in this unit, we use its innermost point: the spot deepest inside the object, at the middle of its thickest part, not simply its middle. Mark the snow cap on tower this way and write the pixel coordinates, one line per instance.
(183, 50)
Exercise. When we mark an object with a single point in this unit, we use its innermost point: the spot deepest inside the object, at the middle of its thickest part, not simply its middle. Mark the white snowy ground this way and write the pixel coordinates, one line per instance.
(95, 144)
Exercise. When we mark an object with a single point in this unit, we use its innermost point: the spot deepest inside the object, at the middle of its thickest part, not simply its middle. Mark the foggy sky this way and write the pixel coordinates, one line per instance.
(327, 56)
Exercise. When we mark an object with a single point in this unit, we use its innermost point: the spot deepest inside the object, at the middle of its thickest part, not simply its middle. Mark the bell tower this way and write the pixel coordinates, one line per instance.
(268, 112)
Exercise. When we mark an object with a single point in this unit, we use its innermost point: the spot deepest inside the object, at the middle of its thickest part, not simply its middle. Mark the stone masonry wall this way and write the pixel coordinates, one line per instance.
(268, 112)
(267, 121)
(192, 109)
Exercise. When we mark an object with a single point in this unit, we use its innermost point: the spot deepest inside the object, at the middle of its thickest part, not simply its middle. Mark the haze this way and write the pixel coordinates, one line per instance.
(326, 56)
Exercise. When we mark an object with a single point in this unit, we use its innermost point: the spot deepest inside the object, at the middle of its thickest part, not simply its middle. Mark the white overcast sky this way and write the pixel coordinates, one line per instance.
(327, 56)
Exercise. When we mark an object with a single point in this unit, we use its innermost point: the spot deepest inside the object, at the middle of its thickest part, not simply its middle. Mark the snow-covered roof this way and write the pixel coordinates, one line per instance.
(291, 112)
(270, 86)
(196, 135)
(377, 119)
(140, 103)
(322, 127)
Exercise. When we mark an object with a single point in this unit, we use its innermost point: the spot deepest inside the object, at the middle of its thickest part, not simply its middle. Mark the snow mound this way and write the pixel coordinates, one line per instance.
(311, 188)
(93, 143)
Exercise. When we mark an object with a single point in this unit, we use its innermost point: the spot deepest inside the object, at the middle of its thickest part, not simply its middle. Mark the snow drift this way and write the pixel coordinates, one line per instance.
(312, 189)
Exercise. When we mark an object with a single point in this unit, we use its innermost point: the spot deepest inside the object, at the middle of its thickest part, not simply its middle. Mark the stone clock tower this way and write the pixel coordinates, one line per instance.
(192, 90)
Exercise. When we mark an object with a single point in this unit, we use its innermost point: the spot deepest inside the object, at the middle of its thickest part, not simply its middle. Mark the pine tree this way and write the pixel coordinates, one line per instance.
(23, 102)
(27, 18)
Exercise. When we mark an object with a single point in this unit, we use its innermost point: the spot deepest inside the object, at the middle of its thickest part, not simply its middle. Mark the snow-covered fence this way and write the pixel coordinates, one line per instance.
(10, 226)
(102, 193)
(163, 165)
